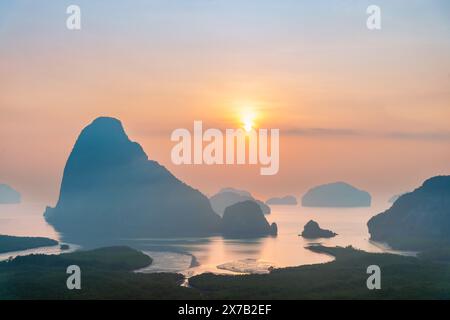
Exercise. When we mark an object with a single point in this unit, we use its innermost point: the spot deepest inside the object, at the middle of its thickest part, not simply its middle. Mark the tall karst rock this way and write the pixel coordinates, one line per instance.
(417, 220)
(110, 189)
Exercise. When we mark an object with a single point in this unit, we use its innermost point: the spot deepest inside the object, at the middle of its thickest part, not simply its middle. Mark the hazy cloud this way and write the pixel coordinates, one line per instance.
(346, 132)
(320, 132)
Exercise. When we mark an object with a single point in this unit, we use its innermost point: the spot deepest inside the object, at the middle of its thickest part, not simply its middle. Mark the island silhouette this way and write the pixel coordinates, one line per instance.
(111, 190)
(283, 201)
(8, 195)
(417, 220)
(336, 194)
(229, 196)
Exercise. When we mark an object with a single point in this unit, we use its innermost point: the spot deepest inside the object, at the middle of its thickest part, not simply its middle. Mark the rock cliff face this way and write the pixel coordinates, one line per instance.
(337, 194)
(417, 220)
(312, 230)
(245, 219)
(111, 189)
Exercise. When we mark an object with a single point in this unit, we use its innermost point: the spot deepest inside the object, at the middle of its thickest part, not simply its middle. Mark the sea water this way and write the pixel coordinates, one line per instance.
(217, 254)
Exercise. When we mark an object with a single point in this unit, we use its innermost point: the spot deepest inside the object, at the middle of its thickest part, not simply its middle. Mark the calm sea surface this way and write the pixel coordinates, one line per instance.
(216, 254)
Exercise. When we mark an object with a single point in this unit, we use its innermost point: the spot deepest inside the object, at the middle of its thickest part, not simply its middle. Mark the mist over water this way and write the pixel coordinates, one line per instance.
(25, 219)
(197, 255)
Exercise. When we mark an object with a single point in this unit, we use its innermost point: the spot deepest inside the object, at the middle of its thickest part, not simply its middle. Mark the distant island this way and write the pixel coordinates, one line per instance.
(417, 220)
(337, 194)
(228, 196)
(110, 189)
(245, 219)
(8, 195)
(311, 230)
(12, 243)
(286, 200)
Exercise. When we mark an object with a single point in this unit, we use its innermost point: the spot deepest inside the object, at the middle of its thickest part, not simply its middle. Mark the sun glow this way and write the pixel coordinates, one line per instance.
(248, 119)
(248, 125)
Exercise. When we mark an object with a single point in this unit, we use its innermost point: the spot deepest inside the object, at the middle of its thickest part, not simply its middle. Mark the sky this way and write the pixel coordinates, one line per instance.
(369, 107)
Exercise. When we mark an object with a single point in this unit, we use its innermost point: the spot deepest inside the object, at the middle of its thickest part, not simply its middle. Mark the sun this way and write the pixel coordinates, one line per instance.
(248, 124)
(248, 119)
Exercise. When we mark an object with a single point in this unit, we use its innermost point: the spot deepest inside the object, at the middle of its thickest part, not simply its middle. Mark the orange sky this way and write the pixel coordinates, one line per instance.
(369, 108)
